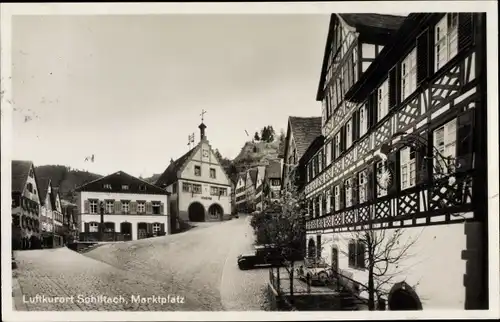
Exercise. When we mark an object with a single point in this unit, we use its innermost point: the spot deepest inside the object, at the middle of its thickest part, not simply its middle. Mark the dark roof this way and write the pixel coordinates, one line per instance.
(116, 180)
(43, 188)
(169, 176)
(304, 130)
(20, 171)
(253, 174)
(372, 20)
(273, 170)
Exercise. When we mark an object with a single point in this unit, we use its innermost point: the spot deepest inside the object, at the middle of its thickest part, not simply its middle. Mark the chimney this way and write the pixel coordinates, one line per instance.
(202, 128)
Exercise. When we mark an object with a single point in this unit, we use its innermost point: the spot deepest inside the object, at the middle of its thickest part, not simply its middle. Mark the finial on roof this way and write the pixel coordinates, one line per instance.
(202, 126)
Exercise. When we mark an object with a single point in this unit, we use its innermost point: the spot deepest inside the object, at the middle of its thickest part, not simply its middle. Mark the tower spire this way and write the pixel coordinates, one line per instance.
(202, 126)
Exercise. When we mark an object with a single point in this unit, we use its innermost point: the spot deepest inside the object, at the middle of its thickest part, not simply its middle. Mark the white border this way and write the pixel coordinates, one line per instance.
(7, 10)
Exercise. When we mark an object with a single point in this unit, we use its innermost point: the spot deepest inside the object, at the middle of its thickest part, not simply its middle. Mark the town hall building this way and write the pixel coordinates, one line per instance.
(200, 188)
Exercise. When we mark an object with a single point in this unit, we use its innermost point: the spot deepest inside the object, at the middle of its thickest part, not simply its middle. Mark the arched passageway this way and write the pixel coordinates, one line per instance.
(196, 212)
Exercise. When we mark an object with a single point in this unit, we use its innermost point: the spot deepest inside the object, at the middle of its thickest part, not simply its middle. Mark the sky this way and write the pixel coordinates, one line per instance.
(130, 89)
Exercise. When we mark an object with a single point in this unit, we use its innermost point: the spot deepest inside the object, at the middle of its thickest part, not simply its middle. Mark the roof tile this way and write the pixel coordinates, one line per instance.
(305, 130)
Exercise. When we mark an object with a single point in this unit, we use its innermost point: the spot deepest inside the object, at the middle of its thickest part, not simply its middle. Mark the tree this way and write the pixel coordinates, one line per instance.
(383, 252)
(217, 154)
(271, 134)
(256, 136)
(282, 224)
(282, 136)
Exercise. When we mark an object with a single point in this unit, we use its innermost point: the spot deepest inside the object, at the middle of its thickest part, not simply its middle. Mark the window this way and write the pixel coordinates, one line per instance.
(212, 173)
(196, 188)
(316, 166)
(323, 204)
(142, 187)
(93, 206)
(337, 145)
(381, 167)
(156, 228)
(34, 191)
(174, 188)
(124, 187)
(197, 170)
(407, 167)
(110, 206)
(222, 192)
(29, 186)
(348, 193)
(275, 182)
(320, 161)
(363, 186)
(383, 100)
(93, 227)
(141, 207)
(107, 186)
(328, 152)
(409, 74)
(445, 142)
(125, 206)
(328, 201)
(357, 254)
(446, 39)
(348, 131)
(186, 187)
(316, 206)
(31, 174)
(156, 207)
(363, 120)
(214, 191)
(337, 197)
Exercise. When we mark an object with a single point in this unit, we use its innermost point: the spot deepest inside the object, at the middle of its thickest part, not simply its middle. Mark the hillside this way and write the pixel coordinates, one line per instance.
(65, 178)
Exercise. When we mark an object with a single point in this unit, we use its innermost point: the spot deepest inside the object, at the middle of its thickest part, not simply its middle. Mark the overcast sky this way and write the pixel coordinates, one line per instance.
(129, 89)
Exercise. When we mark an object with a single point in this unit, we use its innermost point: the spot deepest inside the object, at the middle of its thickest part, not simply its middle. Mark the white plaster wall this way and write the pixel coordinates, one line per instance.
(118, 219)
(85, 195)
(436, 263)
(206, 163)
(186, 198)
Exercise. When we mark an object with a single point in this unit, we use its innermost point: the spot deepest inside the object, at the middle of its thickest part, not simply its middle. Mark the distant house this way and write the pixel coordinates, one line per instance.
(272, 180)
(51, 215)
(240, 193)
(301, 132)
(199, 186)
(25, 206)
(71, 221)
(259, 188)
(130, 206)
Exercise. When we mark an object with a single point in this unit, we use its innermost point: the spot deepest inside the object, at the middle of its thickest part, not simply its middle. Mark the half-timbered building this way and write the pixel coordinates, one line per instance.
(301, 132)
(404, 108)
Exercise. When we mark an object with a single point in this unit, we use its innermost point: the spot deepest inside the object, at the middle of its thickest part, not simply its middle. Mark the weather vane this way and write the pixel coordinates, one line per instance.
(202, 114)
(190, 140)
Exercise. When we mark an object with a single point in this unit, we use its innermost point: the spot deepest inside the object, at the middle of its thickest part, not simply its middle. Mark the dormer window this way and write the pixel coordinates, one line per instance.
(124, 187)
(107, 186)
(142, 187)
(31, 174)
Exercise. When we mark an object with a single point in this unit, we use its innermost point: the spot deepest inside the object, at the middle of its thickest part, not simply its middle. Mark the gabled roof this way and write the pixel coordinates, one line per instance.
(169, 176)
(304, 130)
(20, 171)
(253, 174)
(273, 170)
(43, 188)
(116, 180)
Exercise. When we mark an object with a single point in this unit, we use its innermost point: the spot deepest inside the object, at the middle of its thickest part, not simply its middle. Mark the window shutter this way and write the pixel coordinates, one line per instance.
(360, 255)
(342, 196)
(149, 208)
(162, 228)
(86, 207)
(392, 164)
(465, 30)
(133, 207)
(370, 182)
(372, 109)
(352, 254)
(149, 228)
(332, 199)
(342, 138)
(355, 125)
(423, 55)
(162, 208)
(87, 227)
(318, 246)
(118, 207)
(355, 189)
(422, 165)
(465, 140)
(393, 87)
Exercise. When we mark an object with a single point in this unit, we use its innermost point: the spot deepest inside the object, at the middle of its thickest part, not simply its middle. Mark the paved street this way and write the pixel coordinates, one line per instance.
(198, 266)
